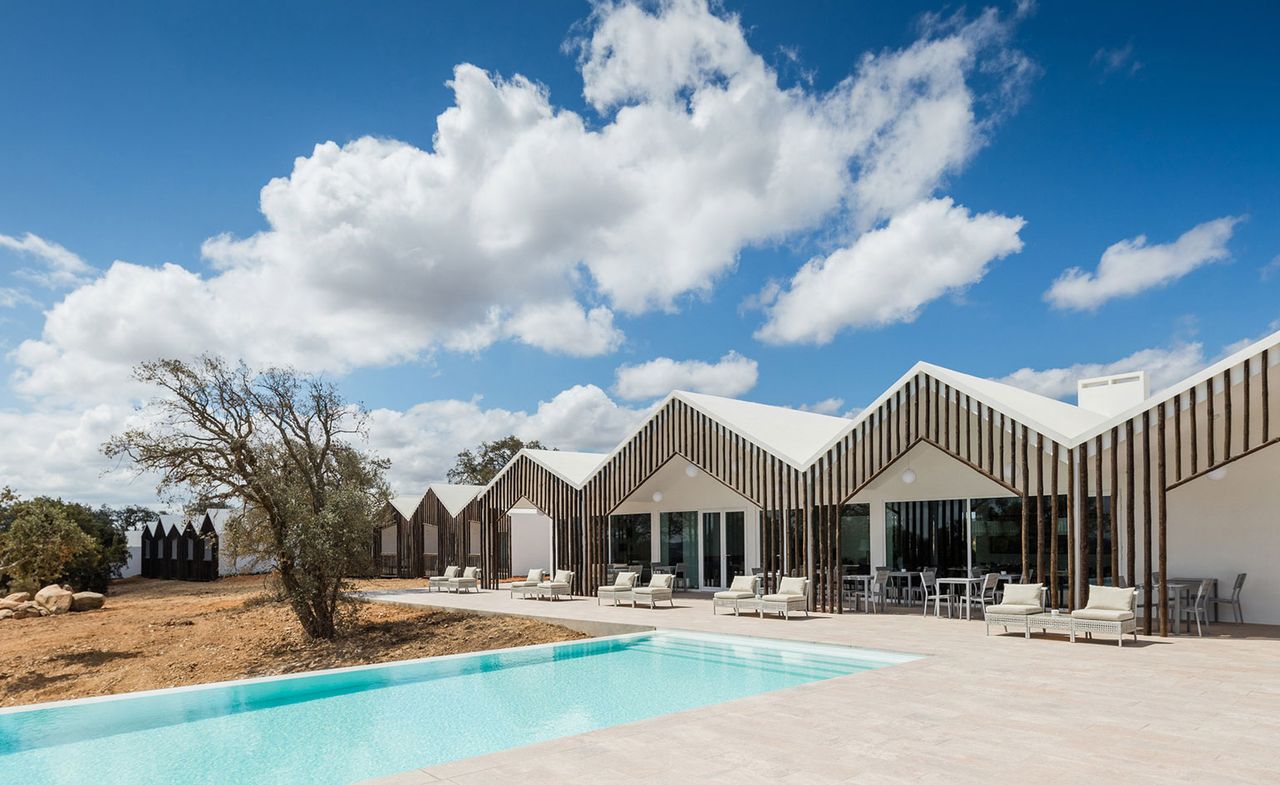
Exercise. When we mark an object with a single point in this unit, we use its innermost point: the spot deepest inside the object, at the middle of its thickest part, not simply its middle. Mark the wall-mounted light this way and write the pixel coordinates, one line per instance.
(1219, 473)
(691, 470)
(657, 496)
(909, 476)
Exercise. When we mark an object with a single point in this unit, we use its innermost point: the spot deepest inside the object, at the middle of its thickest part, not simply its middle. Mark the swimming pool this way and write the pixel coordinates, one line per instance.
(349, 724)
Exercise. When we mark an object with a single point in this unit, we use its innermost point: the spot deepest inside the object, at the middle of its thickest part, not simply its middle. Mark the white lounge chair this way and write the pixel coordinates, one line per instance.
(619, 590)
(439, 582)
(1109, 609)
(659, 589)
(792, 595)
(520, 587)
(470, 580)
(557, 587)
(742, 589)
(1021, 601)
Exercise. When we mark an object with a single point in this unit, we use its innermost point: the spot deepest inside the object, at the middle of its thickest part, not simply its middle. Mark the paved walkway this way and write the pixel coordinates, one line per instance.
(978, 710)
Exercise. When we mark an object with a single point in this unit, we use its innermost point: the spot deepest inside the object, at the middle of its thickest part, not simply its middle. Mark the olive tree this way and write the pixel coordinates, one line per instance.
(41, 544)
(282, 444)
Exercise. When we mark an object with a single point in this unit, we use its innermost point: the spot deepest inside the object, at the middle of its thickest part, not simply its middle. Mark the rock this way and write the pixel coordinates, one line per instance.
(54, 598)
(8, 605)
(26, 610)
(20, 596)
(5, 613)
(87, 601)
(67, 587)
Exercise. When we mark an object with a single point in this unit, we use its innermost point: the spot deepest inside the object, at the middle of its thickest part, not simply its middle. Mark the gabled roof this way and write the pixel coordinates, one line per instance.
(406, 505)
(574, 468)
(455, 498)
(796, 436)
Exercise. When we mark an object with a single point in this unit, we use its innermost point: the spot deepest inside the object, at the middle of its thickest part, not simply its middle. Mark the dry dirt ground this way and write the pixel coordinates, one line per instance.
(154, 634)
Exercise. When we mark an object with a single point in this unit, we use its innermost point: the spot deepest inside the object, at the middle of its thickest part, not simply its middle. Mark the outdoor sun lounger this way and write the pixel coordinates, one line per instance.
(558, 586)
(619, 590)
(742, 589)
(525, 587)
(1109, 610)
(438, 582)
(659, 589)
(470, 580)
(1021, 602)
(792, 595)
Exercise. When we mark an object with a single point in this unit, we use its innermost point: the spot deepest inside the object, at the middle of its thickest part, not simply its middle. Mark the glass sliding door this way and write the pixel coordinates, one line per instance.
(678, 543)
(629, 539)
(924, 534)
(735, 544)
(855, 538)
(712, 551)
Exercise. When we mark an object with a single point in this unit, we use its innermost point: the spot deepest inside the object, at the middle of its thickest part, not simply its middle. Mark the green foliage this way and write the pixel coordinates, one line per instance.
(280, 443)
(105, 527)
(479, 466)
(42, 544)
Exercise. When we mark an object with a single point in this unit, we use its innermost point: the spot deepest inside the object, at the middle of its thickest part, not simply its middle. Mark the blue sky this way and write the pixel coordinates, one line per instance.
(137, 131)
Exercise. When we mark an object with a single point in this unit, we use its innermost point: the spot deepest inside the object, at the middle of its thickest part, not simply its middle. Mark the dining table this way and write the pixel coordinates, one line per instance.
(852, 580)
(968, 584)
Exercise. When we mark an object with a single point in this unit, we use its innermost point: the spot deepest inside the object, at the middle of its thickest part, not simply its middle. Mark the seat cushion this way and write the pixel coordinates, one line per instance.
(1109, 598)
(734, 595)
(451, 572)
(792, 585)
(1022, 594)
(535, 577)
(554, 585)
(783, 597)
(1102, 614)
(745, 583)
(654, 590)
(613, 589)
(625, 579)
(1007, 609)
(661, 581)
(470, 572)
(522, 584)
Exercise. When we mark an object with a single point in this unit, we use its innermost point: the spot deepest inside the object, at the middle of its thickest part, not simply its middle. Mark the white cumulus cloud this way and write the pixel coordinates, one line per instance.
(525, 221)
(1164, 367)
(1133, 266)
(887, 275)
(731, 375)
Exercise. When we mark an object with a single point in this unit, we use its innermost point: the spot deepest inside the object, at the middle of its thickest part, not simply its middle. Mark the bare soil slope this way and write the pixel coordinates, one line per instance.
(154, 634)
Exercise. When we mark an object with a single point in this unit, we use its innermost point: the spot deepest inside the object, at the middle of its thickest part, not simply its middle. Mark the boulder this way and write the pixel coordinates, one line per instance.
(54, 598)
(20, 596)
(8, 605)
(87, 601)
(5, 613)
(27, 610)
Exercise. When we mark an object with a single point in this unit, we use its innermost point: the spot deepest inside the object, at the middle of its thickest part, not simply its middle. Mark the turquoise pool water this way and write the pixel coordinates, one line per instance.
(345, 725)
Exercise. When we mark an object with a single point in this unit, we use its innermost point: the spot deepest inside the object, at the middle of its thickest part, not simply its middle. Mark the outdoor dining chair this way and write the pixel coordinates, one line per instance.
(986, 593)
(1199, 608)
(934, 593)
(1233, 600)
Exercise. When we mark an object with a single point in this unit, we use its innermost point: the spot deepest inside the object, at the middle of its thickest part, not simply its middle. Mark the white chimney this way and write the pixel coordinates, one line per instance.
(1112, 394)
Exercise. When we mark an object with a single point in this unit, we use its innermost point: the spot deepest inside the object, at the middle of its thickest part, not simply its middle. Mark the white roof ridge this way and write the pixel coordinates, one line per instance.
(455, 496)
(543, 458)
(800, 461)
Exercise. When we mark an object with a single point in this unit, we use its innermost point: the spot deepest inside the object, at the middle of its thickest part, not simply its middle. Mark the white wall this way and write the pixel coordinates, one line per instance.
(1217, 529)
(134, 565)
(682, 493)
(938, 476)
(530, 543)
(389, 541)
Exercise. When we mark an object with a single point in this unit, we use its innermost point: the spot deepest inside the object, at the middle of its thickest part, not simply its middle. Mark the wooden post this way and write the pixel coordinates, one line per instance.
(1053, 540)
(1082, 574)
(1039, 507)
(1146, 522)
(1115, 506)
(1071, 530)
(1191, 423)
(1097, 503)
(1266, 404)
(1226, 414)
(1026, 564)
(1162, 520)
(1244, 415)
(1129, 524)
